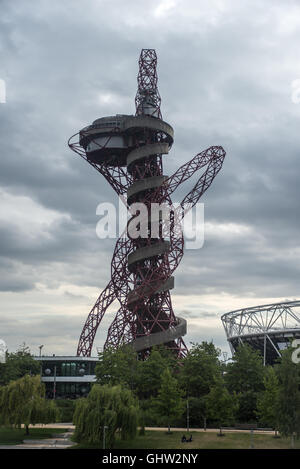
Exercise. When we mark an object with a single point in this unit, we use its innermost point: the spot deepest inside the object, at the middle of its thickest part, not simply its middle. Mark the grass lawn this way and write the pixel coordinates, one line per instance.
(201, 440)
(15, 436)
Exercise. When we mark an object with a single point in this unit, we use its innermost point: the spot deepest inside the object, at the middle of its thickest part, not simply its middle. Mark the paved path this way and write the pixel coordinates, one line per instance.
(59, 441)
(70, 426)
(212, 430)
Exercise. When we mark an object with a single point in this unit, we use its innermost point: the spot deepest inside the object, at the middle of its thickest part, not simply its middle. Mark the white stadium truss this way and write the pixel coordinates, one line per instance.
(268, 328)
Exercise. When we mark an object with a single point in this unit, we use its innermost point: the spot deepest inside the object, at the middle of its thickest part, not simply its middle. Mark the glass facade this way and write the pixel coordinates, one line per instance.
(64, 376)
(68, 368)
(67, 390)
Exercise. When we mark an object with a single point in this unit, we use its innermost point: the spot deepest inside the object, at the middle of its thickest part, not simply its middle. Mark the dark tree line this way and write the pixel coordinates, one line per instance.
(242, 390)
(163, 391)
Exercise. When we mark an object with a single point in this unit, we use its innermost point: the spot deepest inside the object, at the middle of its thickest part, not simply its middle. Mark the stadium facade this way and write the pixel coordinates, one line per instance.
(268, 328)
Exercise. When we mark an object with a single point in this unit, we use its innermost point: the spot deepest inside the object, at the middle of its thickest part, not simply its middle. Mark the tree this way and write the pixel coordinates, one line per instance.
(122, 366)
(288, 403)
(150, 372)
(23, 402)
(17, 365)
(113, 407)
(197, 411)
(200, 367)
(221, 406)
(118, 367)
(169, 403)
(267, 401)
(244, 376)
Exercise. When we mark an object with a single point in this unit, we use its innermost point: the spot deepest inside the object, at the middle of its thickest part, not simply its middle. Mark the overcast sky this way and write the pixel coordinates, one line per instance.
(228, 72)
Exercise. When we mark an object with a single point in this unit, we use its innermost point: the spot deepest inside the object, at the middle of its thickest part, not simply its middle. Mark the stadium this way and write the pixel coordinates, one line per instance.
(267, 328)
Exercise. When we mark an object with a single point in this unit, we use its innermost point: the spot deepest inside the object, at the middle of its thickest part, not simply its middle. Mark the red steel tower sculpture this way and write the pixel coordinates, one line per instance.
(128, 151)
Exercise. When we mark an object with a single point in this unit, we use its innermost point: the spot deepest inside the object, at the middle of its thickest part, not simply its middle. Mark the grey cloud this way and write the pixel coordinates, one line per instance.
(224, 79)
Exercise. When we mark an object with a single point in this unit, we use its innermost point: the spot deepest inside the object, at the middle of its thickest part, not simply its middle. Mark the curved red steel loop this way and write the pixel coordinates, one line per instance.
(142, 268)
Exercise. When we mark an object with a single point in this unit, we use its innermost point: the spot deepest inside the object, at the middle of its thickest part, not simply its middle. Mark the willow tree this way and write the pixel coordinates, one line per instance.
(23, 402)
(113, 407)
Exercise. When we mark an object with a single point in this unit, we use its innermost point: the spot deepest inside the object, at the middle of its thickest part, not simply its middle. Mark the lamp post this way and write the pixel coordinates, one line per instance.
(41, 366)
(187, 416)
(104, 429)
(54, 382)
(251, 439)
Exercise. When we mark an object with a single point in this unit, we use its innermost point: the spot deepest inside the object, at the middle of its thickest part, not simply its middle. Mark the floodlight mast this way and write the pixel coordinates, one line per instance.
(128, 151)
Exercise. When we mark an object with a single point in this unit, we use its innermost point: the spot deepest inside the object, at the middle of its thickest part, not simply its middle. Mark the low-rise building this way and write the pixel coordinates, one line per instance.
(67, 377)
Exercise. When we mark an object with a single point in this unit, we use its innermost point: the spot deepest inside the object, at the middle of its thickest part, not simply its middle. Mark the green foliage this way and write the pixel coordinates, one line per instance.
(246, 371)
(151, 370)
(220, 405)
(112, 406)
(251, 390)
(169, 403)
(118, 367)
(244, 376)
(199, 370)
(247, 406)
(141, 421)
(122, 367)
(17, 365)
(23, 402)
(148, 415)
(66, 409)
(267, 401)
(197, 411)
(288, 403)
